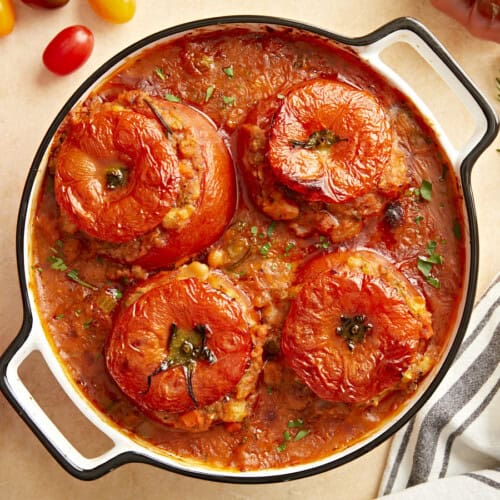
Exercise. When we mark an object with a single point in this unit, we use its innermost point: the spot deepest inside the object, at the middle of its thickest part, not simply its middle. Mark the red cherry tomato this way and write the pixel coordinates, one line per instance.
(182, 344)
(46, 4)
(68, 50)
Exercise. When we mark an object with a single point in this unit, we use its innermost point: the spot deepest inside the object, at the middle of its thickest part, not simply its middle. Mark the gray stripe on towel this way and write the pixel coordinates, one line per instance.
(450, 403)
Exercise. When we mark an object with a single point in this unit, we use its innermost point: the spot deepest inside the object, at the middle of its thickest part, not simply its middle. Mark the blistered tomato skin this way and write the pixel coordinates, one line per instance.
(116, 175)
(350, 335)
(68, 50)
(330, 141)
(217, 196)
(140, 352)
(46, 4)
(7, 17)
(114, 11)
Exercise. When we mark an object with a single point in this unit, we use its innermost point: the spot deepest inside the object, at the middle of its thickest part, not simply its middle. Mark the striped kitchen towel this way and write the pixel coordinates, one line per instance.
(451, 448)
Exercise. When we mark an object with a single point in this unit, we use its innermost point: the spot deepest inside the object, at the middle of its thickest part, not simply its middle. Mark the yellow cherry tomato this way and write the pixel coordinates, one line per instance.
(7, 17)
(114, 11)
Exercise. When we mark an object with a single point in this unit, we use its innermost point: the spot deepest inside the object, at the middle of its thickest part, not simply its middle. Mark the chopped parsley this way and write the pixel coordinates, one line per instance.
(228, 100)
(73, 275)
(286, 437)
(86, 324)
(59, 243)
(172, 98)
(290, 246)
(295, 423)
(60, 316)
(209, 92)
(426, 190)
(280, 96)
(270, 229)
(323, 243)
(254, 230)
(160, 74)
(57, 263)
(426, 263)
(264, 249)
(301, 434)
(418, 220)
(229, 71)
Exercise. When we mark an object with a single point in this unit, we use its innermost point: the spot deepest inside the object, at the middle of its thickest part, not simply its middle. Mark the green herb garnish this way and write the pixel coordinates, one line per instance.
(280, 96)
(209, 92)
(229, 71)
(264, 249)
(73, 275)
(172, 98)
(289, 247)
(254, 230)
(295, 423)
(228, 100)
(160, 74)
(301, 435)
(57, 263)
(425, 264)
(270, 229)
(60, 316)
(86, 324)
(426, 190)
(418, 220)
(323, 243)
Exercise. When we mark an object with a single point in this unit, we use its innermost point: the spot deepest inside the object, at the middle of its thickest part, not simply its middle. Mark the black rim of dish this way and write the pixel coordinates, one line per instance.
(465, 173)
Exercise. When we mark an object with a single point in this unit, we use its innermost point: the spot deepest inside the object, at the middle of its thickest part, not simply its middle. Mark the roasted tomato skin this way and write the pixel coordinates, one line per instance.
(68, 50)
(217, 201)
(329, 141)
(397, 329)
(94, 145)
(140, 337)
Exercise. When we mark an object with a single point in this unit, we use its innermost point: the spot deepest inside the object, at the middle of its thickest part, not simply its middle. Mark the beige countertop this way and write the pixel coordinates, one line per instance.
(29, 100)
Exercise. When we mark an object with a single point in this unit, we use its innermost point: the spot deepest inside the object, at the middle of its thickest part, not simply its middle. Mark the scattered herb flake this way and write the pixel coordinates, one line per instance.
(431, 247)
(160, 74)
(209, 92)
(78, 312)
(457, 230)
(323, 243)
(57, 263)
(115, 293)
(229, 71)
(59, 243)
(426, 190)
(254, 230)
(228, 100)
(86, 324)
(172, 98)
(269, 389)
(280, 96)
(295, 423)
(281, 447)
(418, 220)
(270, 229)
(60, 316)
(289, 247)
(301, 434)
(286, 436)
(73, 275)
(38, 269)
(264, 249)
(433, 282)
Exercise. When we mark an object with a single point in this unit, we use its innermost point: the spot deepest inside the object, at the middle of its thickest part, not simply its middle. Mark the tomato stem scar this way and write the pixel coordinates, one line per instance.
(160, 118)
(321, 139)
(353, 330)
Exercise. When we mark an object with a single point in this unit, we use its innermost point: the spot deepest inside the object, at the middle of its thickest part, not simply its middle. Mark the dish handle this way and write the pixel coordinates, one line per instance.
(52, 438)
(412, 32)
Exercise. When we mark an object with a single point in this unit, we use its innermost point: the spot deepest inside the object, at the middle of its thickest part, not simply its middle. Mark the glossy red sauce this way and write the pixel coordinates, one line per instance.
(289, 423)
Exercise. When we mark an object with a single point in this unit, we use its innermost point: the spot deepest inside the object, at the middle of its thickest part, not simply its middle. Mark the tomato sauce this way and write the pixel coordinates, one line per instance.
(410, 218)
